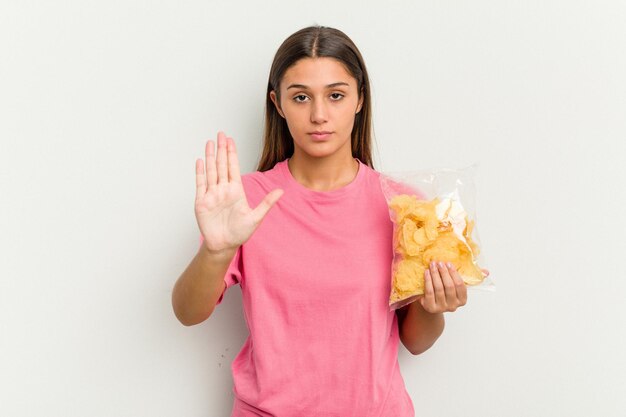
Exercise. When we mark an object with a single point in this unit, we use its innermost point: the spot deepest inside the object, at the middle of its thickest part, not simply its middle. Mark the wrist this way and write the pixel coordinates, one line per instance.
(223, 255)
(422, 312)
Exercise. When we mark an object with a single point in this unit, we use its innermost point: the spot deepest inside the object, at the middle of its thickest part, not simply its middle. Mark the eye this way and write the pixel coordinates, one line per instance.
(337, 94)
(296, 98)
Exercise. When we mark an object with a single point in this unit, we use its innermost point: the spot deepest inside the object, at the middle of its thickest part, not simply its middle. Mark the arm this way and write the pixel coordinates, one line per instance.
(421, 322)
(199, 287)
(419, 329)
(226, 219)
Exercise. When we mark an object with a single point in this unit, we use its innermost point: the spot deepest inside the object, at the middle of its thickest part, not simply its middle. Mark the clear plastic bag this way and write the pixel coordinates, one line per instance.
(434, 218)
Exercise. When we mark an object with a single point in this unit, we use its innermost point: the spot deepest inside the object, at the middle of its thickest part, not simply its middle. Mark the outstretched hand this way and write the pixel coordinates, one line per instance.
(224, 217)
(444, 289)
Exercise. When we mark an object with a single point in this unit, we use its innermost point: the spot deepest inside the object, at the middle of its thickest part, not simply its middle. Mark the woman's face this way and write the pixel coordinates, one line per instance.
(318, 94)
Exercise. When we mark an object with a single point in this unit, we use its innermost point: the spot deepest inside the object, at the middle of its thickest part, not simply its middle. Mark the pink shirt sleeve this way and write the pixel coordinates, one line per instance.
(395, 186)
(233, 273)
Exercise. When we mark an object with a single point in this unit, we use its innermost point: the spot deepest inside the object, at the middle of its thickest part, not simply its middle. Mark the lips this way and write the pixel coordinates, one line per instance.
(320, 135)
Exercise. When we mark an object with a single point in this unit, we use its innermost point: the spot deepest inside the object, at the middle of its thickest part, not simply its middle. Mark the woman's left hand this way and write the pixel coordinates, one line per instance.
(444, 289)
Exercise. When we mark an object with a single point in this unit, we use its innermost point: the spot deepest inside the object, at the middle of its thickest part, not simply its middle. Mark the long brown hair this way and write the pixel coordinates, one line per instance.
(313, 42)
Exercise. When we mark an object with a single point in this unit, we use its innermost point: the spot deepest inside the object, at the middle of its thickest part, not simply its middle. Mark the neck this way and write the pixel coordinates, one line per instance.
(323, 174)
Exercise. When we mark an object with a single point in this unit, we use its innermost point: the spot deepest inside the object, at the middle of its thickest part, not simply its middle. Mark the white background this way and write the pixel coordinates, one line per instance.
(104, 107)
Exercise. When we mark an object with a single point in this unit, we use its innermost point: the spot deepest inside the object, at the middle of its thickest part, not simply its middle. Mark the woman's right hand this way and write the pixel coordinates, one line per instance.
(222, 212)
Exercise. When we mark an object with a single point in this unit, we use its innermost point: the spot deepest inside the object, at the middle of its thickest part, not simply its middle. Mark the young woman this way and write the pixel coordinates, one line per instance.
(308, 238)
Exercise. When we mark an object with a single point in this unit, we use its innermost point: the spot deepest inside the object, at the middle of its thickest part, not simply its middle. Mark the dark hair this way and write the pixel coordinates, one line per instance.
(314, 42)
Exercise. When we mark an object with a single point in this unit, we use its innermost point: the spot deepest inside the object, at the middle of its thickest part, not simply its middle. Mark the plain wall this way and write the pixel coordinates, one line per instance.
(105, 106)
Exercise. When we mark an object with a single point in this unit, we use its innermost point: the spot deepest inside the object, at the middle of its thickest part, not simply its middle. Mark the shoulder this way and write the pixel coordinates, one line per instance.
(257, 184)
(259, 178)
(393, 185)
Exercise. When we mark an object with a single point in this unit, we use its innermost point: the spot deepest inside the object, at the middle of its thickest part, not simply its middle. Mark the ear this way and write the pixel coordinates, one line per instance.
(361, 99)
(274, 100)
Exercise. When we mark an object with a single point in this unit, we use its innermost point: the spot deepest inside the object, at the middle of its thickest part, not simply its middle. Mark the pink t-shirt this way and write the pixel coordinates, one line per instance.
(315, 282)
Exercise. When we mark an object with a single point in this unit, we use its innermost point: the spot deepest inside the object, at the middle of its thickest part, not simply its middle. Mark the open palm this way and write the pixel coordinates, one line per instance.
(224, 217)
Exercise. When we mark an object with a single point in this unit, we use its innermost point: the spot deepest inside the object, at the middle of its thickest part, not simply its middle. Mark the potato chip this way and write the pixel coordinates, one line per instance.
(409, 275)
(425, 231)
(411, 247)
(420, 237)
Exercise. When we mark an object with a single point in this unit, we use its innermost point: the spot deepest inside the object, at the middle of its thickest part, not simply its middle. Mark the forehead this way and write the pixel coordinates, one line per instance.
(317, 73)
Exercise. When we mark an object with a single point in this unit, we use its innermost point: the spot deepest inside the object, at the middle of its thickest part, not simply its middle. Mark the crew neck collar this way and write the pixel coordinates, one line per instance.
(314, 194)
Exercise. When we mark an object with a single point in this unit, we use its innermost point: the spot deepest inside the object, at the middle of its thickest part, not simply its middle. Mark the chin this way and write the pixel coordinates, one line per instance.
(321, 149)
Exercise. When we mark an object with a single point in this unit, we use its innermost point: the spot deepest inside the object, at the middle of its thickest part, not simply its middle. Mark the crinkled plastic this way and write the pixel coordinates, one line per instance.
(434, 219)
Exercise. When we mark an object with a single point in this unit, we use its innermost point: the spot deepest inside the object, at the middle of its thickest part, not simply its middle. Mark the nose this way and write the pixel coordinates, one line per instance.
(318, 112)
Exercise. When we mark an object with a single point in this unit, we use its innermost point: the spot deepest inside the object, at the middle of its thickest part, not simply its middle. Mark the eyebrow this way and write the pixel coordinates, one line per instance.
(328, 86)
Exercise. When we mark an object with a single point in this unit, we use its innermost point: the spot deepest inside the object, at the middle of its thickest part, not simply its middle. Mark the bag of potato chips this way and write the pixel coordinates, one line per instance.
(434, 219)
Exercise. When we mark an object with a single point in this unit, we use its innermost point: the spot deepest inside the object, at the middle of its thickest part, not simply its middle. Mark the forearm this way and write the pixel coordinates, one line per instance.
(420, 329)
(198, 288)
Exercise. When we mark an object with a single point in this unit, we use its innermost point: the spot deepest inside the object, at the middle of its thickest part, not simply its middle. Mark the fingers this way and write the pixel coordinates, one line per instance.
(211, 174)
(222, 158)
(200, 179)
(266, 204)
(444, 289)
(440, 293)
(233, 161)
(451, 299)
(461, 289)
(222, 165)
(428, 301)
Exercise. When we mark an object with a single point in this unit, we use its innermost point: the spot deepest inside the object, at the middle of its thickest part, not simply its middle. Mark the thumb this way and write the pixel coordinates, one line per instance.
(266, 204)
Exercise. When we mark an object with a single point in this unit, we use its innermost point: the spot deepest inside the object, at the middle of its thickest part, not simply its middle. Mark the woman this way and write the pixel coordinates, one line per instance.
(313, 256)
